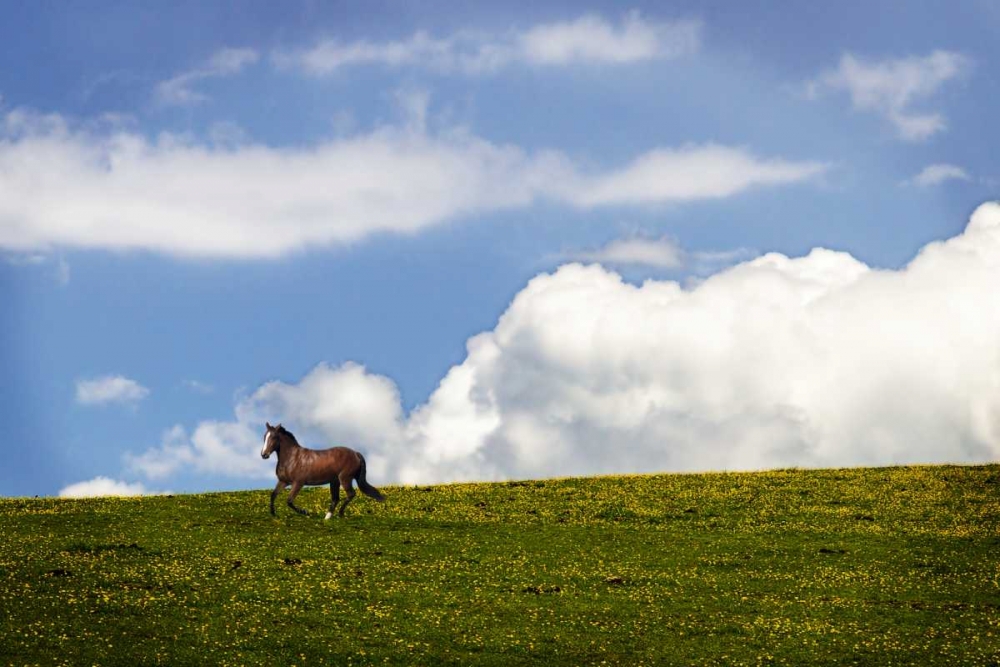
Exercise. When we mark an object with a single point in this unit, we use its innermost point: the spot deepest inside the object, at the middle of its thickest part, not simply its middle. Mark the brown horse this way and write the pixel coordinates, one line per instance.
(300, 466)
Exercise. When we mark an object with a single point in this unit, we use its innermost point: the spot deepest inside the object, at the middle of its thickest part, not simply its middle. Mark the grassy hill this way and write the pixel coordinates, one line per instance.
(863, 566)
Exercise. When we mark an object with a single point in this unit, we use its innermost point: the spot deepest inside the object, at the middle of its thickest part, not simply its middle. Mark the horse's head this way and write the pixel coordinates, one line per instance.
(271, 440)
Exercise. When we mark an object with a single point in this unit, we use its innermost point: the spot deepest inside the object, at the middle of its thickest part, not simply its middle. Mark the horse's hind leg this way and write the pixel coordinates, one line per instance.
(334, 497)
(274, 494)
(347, 481)
(296, 487)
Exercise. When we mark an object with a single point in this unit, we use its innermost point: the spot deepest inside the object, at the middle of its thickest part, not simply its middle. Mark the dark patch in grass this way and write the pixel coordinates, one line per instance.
(864, 517)
(293, 561)
(824, 550)
(131, 585)
(614, 581)
(236, 564)
(59, 572)
(541, 590)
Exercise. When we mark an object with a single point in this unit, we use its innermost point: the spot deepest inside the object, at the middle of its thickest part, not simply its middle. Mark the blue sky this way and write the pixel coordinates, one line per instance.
(308, 212)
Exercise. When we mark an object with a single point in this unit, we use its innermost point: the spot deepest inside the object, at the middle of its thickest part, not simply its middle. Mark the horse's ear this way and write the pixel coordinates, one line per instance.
(268, 424)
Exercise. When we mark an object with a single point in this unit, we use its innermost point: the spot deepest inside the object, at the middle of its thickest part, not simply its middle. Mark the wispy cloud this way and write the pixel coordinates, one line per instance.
(68, 188)
(180, 90)
(707, 171)
(105, 486)
(199, 387)
(661, 253)
(936, 174)
(587, 39)
(62, 272)
(109, 389)
(891, 87)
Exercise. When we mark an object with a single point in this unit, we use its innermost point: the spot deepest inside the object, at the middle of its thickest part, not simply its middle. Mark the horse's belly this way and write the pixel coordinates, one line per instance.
(322, 476)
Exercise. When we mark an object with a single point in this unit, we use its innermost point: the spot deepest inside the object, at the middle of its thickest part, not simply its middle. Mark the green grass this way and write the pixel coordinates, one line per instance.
(862, 566)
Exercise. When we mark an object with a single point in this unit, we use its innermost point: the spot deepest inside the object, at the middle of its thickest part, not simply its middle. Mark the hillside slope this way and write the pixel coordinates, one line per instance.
(866, 566)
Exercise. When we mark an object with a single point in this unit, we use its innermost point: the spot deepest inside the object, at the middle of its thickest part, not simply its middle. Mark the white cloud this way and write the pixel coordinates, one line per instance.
(347, 404)
(104, 486)
(60, 187)
(662, 253)
(109, 389)
(179, 90)
(226, 448)
(809, 361)
(592, 39)
(936, 174)
(692, 172)
(659, 253)
(890, 87)
(588, 39)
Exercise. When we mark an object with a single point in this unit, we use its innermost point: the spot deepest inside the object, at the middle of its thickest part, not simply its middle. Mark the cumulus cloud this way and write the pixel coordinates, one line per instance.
(65, 187)
(104, 486)
(227, 448)
(809, 361)
(890, 87)
(179, 90)
(936, 174)
(589, 39)
(109, 389)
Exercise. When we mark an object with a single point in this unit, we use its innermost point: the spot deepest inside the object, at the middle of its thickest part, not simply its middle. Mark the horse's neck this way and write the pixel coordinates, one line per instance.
(288, 450)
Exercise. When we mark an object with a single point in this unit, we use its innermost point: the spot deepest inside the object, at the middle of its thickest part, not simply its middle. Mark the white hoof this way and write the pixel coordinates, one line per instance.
(328, 515)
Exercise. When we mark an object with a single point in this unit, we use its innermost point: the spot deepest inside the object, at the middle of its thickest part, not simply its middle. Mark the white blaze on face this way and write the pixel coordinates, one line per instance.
(263, 450)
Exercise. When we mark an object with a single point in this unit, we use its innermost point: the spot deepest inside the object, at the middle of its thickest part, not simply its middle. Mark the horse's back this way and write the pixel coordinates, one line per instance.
(325, 465)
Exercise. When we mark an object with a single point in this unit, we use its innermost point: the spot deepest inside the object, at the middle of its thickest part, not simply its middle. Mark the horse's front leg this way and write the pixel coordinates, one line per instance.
(296, 487)
(274, 494)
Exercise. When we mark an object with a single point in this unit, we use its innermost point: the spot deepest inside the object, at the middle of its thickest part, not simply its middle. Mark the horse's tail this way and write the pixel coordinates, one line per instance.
(363, 484)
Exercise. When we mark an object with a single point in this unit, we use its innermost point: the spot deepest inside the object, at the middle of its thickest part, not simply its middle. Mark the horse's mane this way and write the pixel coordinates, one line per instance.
(284, 431)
